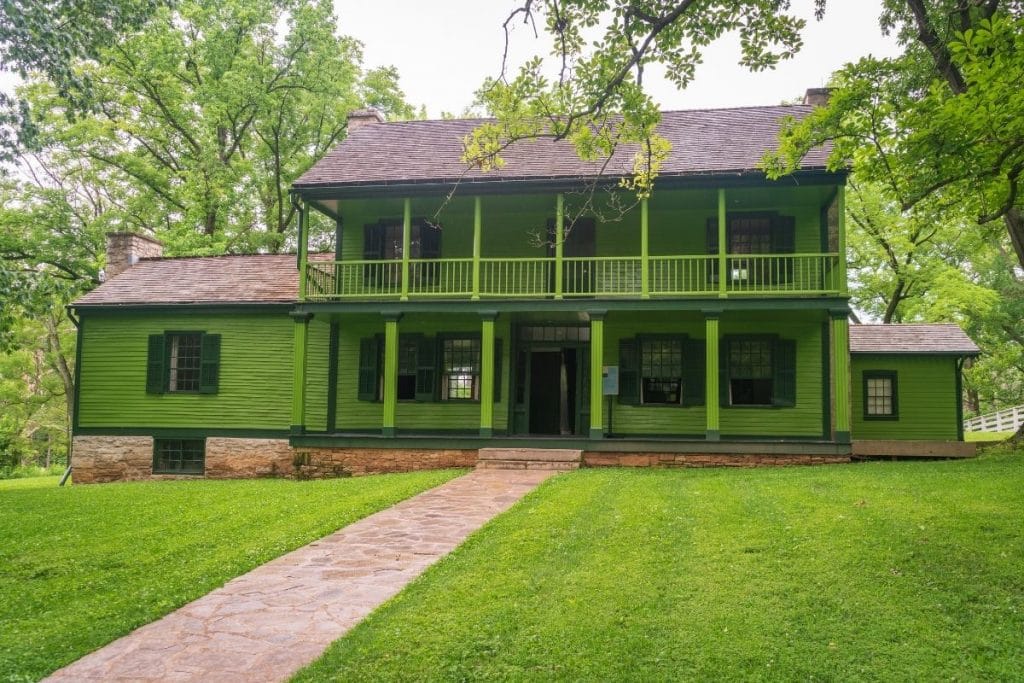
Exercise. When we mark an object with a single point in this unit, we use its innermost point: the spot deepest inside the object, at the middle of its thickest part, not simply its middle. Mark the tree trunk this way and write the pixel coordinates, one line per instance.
(1015, 226)
(67, 378)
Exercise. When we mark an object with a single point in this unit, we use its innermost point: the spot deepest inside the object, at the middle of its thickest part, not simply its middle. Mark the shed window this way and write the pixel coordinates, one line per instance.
(460, 369)
(880, 395)
(179, 456)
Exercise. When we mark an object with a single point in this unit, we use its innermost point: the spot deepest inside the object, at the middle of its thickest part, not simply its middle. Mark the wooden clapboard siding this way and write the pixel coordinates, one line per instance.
(804, 419)
(927, 400)
(255, 373)
(441, 415)
(318, 344)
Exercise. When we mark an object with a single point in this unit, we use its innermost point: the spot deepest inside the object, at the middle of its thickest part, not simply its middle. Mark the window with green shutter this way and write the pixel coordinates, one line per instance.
(661, 370)
(758, 371)
(183, 362)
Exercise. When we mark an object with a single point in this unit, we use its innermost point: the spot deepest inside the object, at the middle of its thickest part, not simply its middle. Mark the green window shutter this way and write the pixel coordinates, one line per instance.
(723, 372)
(712, 235)
(368, 355)
(156, 370)
(784, 380)
(629, 371)
(426, 369)
(209, 363)
(693, 372)
(497, 370)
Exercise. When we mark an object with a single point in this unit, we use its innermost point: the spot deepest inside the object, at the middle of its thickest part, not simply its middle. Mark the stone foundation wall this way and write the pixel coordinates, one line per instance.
(230, 458)
(98, 459)
(352, 462)
(599, 459)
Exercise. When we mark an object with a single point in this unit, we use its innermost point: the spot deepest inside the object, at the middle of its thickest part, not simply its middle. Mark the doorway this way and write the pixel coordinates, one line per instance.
(551, 380)
(553, 407)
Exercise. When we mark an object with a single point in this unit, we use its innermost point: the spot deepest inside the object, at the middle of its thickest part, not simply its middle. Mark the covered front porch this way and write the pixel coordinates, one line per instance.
(616, 375)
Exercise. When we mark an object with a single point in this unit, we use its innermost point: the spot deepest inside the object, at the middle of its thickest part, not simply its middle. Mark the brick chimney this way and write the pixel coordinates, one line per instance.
(817, 96)
(124, 249)
(363, 117)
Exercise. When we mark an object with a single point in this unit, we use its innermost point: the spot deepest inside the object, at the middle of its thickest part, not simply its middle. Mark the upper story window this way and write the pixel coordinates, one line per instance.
(383, 240)
(183, 362)
(754, 233)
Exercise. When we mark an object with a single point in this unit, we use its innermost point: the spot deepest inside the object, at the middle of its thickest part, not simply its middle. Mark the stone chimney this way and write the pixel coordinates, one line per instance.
(363, 117)
(817, 96)
(124, 249)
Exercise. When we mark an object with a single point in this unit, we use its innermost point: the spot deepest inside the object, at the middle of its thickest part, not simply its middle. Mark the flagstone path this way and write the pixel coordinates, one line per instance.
(267, 624)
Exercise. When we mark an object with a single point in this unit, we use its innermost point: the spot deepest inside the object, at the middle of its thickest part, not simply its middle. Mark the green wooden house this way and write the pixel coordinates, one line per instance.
(532, 306)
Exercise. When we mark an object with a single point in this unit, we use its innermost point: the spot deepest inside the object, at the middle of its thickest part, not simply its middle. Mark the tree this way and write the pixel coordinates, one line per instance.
(943, 121)
(600, 50)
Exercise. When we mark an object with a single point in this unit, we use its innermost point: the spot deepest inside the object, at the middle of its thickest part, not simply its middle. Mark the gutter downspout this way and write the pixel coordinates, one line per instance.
(74, 399)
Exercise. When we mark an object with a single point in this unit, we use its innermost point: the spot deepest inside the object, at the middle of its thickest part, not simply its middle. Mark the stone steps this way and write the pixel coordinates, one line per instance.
(528, 459)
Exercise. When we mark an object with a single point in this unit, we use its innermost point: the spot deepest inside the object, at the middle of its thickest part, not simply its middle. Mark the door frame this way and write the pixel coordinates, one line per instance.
(582, 417)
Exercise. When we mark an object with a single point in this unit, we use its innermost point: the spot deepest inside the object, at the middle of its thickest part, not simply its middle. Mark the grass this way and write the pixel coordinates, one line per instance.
(987, 436)
(83, 565)
(874, 571)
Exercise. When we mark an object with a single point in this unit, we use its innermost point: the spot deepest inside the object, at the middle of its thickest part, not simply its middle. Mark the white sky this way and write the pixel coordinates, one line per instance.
(444, 50)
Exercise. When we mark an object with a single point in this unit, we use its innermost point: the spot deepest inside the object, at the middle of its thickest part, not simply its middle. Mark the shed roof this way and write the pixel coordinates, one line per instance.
(930, 338)
(245, 279)
(704, 142)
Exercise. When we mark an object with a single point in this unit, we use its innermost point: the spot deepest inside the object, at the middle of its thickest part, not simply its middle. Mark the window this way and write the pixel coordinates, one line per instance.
(382, 241)
(880, 397)
(184, 359)
(179, 456)
(183, 362)
(758, 371)
(460, 369)
(421, 359)
(754, 233)
(661, 371)
(750, 372)
(750, 235)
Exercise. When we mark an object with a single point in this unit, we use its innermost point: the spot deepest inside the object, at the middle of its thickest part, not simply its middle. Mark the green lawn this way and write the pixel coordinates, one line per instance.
(874, 571)
(82, 565)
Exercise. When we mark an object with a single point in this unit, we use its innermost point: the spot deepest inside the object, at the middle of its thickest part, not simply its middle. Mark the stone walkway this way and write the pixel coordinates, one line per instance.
(267, 624)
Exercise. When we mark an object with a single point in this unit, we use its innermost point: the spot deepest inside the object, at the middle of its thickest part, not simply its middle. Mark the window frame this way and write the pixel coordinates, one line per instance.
(181, 441)
(169, 335)
(892, 376)
(644, 339)
(477, 377)
(726, 390)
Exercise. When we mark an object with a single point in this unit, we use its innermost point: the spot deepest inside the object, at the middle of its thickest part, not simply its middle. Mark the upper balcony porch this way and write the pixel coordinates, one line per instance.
(780, 240)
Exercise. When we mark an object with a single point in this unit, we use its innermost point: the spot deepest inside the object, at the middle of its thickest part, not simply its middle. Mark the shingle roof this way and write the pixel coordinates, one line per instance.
(259, 278)
(945, 338)
(704, 141)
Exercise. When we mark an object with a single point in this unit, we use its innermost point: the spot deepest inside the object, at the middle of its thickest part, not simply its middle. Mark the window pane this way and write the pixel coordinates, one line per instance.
(661, 370)
(460, 377)
(750, 235)
(184, 362)
(879, 396)
(179, 456)
(750, 359)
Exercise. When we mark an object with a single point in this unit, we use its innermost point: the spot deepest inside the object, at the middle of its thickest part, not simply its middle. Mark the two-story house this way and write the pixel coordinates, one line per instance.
(536, 306)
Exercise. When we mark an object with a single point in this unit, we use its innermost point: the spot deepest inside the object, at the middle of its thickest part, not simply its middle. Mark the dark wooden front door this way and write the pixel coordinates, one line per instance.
(545, 392)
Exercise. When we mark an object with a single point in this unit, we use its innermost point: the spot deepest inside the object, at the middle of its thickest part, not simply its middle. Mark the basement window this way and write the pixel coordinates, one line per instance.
(179, 456)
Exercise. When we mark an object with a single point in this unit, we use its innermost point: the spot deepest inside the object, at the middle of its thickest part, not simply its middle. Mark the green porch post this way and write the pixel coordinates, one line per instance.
(645, 266)
(487, 373)
(841, 376)
(559, 241)
(722, 246)
(477, 239)
(406, 246)
(841, 211)
(390, 374)
(298, 425)
(596, 375)
(711, 388)
(303, 249)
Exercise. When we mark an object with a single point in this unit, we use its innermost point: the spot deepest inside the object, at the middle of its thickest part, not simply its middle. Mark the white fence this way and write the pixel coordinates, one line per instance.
(1007, 420)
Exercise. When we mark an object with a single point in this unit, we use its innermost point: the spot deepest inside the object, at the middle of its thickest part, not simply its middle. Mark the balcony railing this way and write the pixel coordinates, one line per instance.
(596, 276)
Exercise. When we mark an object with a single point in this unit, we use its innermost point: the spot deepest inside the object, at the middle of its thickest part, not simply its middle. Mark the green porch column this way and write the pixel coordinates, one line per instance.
(597, 374)
(722, 245)
(303, 248)
(298, 425)
(711, 388)
(841, 211)
(390, 374)
(406, 246)
(477, 240)
(645, 266)
(841, 374)
(559, 242)
(487, 373)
